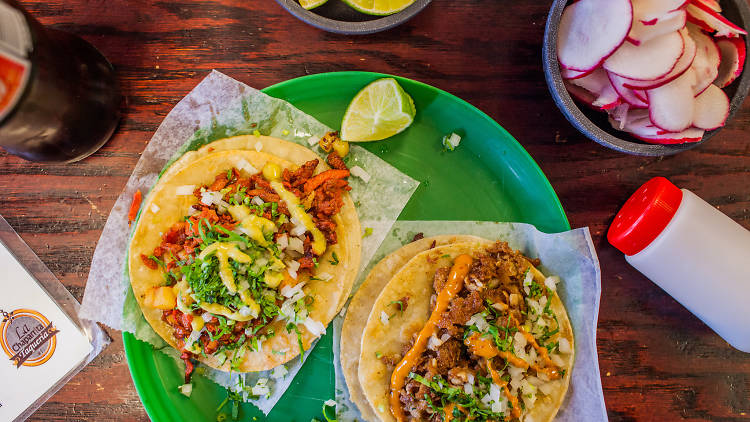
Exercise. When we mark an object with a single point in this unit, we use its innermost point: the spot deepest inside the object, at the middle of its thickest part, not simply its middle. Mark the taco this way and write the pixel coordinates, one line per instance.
(361, 305)
(468, 331)
(240, 258)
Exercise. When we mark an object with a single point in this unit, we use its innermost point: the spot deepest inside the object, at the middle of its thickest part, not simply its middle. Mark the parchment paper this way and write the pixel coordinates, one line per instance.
(217, 108)
(570, 255)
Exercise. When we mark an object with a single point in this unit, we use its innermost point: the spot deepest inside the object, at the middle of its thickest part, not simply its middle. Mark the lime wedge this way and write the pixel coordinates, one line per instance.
(311, 4)
(380, 110)
(379, 7)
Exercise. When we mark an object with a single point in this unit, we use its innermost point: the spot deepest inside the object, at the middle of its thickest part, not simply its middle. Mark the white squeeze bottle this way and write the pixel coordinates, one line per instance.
(690, 249)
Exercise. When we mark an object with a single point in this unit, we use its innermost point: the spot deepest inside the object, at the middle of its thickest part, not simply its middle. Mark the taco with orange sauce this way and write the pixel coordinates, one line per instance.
(466, 331)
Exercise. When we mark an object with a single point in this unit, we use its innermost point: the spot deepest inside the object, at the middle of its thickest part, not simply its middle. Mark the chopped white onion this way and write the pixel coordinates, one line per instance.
(470, 377)
(358, 171)
(486, 399)
(315, 328)
(279, 372)
(192, 211)
(519, 340)
(330, 403)
(468, 388)
(551, 282)
(154, 208)
(290, 291)
(557, 360)
(245, 311)
(298, 230)
(494, 392)
(294, 265)
(564, 345)
(261, 388)
(296, 245)
(528, 279)
(209, 197)
(384, 318)
(258, 146)
(433, 342)
(283, 241)
(207, 316)
(184, 190)
(186, 389)
(242, 164)
(324, 276)
(292, 273)
(258, 201)
(445, 338)
(479, 321)
(515, 372)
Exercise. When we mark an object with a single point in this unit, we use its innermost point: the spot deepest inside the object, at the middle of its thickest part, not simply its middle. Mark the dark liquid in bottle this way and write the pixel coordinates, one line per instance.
(71, 104)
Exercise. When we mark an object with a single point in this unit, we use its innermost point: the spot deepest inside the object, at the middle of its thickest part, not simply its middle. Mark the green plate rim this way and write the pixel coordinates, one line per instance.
(156, 413)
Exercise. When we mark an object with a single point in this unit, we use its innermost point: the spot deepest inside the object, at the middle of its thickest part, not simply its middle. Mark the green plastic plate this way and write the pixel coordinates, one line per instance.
(488, 177)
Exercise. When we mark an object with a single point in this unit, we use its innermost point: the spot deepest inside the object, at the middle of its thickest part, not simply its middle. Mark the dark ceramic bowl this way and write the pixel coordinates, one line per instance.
(594, 124)
(336, 16)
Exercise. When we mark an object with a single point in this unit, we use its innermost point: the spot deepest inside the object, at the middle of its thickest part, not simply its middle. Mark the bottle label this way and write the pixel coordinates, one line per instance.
(15, 44)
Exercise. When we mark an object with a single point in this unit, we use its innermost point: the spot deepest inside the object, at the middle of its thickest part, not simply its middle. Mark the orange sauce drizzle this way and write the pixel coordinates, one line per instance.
(484, 347)
(516, 408)
(550, 369)
(398, 378)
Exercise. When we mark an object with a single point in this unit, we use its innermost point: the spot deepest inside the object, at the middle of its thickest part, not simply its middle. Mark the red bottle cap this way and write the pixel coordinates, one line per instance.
(644, 215)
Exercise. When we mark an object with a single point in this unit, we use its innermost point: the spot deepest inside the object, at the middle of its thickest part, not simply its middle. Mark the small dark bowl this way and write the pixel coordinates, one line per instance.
(336, 16)
(594, 124)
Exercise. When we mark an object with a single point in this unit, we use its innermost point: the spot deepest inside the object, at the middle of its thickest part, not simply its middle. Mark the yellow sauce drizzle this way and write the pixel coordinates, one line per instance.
(272, 173)
(224, 251)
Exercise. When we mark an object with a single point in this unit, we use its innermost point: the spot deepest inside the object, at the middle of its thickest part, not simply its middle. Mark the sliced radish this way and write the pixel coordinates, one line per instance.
(671, 138)
(573, 74)
(627, 94)
(642, 31)
(711, 108)
(580, 94)
(705, 17)
(590, 30)
(650, 60)
(671, 106)
(650, 11)
(711, 4)
(598, 84)
(683, 64)
(732, 52)
(706, 63)
(641, 94)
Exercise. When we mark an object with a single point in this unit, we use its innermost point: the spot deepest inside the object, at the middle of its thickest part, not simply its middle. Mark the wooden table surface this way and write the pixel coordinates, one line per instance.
(658, 362)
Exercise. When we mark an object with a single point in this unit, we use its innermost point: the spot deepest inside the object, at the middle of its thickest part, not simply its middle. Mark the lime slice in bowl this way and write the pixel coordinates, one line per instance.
(379, 7)
(378, 111)
(311, 4)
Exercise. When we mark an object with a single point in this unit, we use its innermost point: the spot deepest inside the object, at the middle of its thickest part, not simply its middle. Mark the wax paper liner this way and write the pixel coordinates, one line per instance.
(570, 255)
(217, 108)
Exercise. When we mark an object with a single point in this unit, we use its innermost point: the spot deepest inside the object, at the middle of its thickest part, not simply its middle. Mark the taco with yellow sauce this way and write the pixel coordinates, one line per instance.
(241, 257)
(467, 332)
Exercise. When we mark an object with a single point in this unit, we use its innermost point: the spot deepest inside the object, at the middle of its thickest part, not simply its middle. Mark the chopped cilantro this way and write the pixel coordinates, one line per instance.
(368, 232)
(335, 260)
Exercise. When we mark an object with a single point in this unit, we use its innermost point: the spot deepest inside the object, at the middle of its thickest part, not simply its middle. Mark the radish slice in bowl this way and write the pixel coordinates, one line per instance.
(732, 53)
(591, 30)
